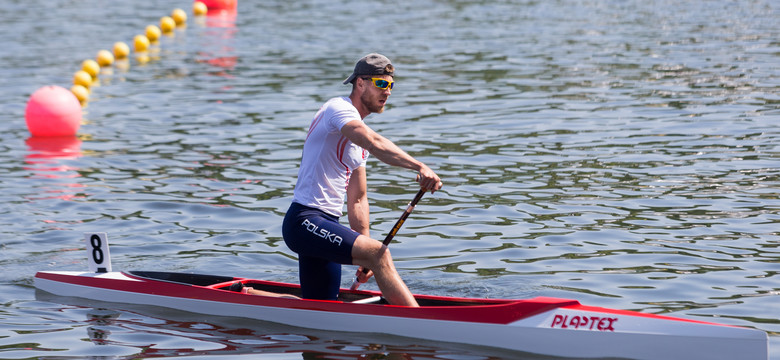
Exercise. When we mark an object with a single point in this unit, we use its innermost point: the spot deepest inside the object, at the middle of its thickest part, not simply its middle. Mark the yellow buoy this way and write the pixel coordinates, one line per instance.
(179, 16)
(141, 43)
(81, 93)
(167, 24)
(82, 78)
(104, 58)
(121, 50)
(152, 33)
(199, 8)
(91, 67)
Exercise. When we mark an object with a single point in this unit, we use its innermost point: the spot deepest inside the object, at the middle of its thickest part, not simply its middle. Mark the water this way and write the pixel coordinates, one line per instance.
(623, 153)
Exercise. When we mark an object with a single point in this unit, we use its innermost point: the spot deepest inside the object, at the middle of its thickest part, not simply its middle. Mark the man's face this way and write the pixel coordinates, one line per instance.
(372, 97)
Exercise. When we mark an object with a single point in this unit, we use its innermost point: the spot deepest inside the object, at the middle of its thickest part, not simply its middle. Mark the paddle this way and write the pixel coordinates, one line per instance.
(395, 229)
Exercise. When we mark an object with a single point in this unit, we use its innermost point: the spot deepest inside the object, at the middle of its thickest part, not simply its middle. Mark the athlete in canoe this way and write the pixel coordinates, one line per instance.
(333, 166)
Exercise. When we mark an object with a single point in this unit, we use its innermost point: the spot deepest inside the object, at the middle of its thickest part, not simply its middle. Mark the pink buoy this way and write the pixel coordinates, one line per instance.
(53, 111)
(220, 4)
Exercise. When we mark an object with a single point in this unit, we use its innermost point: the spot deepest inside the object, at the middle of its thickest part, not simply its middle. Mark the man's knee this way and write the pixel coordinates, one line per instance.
(370, 252)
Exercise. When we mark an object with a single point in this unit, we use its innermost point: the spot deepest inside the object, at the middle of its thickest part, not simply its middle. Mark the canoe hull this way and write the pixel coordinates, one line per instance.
(557, 327)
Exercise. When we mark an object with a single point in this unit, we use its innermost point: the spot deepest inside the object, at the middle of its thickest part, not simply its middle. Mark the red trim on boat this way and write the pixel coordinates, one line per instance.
(492, 311)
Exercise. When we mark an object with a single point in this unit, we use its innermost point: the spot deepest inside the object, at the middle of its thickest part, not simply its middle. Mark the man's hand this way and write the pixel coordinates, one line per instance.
(361, 277)
(428, 179)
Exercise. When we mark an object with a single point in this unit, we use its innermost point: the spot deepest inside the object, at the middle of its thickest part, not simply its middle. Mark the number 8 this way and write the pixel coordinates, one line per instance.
(97, 252)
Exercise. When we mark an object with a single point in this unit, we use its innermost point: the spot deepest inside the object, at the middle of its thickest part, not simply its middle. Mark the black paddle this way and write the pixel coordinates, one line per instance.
(395, 229)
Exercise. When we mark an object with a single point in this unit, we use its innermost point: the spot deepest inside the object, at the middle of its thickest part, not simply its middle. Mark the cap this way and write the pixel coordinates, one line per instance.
(372, 64)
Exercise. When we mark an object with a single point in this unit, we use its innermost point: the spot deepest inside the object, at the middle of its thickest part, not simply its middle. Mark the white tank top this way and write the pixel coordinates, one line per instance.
(328, 158)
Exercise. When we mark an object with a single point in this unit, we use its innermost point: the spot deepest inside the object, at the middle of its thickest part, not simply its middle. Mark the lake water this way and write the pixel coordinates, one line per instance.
(622, 153)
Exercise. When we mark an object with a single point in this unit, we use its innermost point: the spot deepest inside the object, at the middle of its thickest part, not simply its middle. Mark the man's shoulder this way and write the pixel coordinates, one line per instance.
(340, 103)
(339, 111)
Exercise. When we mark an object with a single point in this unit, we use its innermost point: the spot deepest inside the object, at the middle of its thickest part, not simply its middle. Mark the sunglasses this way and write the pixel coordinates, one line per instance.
(382, 83)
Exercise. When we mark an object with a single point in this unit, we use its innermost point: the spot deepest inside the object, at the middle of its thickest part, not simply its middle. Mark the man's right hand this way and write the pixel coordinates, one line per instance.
(428, 179)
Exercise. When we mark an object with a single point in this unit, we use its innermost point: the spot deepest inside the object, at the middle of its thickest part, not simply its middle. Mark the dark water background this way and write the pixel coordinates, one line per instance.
(622, 153)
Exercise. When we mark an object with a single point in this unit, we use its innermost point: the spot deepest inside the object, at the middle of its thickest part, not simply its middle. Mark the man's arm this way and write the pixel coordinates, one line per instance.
(389, 153)
(357, 211)
(357, 202)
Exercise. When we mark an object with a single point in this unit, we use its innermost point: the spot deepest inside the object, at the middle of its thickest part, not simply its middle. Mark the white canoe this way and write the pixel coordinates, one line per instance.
(542, 325)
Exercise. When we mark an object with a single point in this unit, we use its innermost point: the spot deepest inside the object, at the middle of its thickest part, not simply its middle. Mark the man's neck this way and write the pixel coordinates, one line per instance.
(359, 106)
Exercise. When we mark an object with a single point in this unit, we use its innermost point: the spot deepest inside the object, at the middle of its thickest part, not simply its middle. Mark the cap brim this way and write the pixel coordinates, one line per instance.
(350, 78)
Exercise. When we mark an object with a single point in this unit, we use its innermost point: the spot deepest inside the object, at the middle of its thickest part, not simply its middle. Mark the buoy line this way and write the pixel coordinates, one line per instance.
(55, 111)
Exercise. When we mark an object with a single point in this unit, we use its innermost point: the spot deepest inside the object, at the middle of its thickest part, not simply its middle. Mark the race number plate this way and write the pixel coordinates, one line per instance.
(97, 252)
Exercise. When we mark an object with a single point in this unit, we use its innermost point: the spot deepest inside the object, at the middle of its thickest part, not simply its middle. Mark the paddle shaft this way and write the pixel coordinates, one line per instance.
(395, 229)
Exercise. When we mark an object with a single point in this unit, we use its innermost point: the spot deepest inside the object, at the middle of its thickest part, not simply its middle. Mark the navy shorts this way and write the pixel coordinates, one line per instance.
(322, 245)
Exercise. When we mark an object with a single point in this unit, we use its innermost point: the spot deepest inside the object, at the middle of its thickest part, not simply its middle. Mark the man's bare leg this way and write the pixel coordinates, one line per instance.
(373, 255)
(253, 291)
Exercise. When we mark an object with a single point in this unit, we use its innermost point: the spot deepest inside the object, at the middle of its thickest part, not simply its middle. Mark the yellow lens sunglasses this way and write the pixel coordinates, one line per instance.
(382, 83)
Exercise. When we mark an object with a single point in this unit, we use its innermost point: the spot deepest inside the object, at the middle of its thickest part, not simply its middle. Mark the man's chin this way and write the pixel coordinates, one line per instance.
(377, 109)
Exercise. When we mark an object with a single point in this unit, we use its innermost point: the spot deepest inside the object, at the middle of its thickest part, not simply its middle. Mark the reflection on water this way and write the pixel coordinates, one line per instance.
(620, 153)
(217, 47)
(44, 161)
(102, 320)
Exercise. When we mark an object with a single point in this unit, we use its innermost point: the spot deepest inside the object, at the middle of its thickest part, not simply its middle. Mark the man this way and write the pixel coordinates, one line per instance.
(333, 166)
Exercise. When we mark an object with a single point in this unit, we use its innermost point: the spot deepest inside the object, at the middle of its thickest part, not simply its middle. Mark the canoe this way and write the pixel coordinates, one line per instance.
(541, 325)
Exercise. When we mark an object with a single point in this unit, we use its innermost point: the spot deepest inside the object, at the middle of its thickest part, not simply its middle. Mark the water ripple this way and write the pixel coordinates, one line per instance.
(620, 153)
